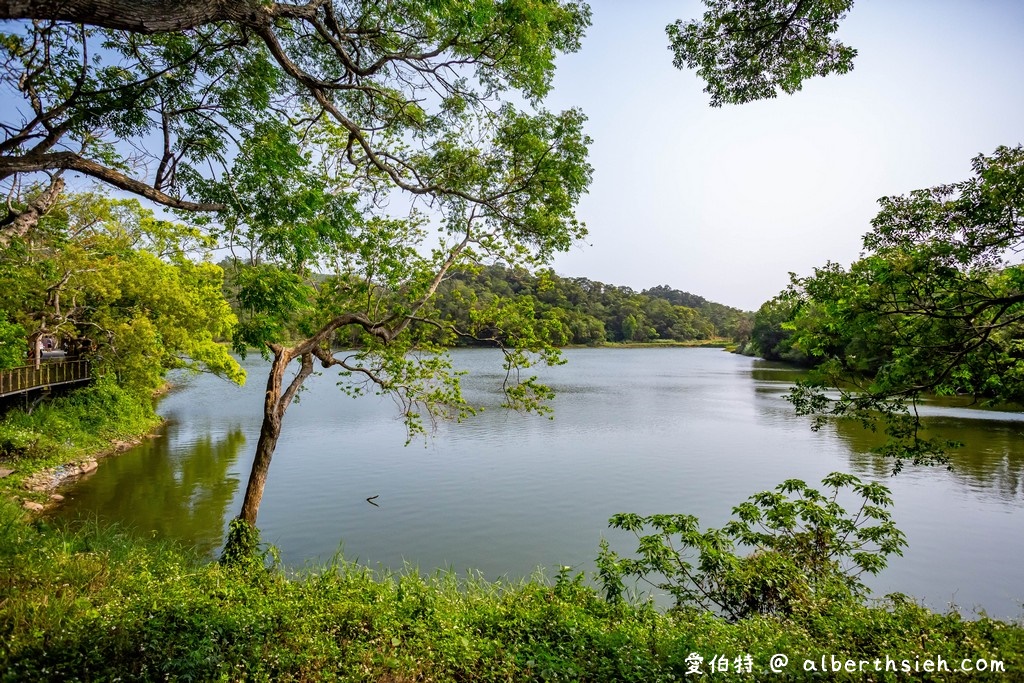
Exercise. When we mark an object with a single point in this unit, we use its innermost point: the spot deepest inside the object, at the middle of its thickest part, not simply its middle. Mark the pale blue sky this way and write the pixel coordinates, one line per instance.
(725, 202)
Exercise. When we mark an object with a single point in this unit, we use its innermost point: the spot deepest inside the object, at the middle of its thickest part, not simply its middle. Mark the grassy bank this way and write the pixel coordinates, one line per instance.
(97, 605)
(80, 425)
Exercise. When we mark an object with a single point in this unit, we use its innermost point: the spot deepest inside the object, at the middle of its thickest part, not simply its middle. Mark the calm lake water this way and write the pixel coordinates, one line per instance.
(638, 430)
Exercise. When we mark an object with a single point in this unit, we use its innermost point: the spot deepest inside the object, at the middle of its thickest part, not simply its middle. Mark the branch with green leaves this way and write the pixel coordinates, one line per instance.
(786, 550)
(934, 308)
(748, 50)
(189, 85)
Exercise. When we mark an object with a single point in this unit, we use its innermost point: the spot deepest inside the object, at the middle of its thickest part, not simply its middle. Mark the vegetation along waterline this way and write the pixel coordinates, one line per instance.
(96, 604)
(57, 440)
(105, 602)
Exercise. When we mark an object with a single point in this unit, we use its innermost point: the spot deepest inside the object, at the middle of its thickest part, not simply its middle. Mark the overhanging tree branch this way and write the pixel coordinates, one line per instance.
(70, 161)
(151, 16)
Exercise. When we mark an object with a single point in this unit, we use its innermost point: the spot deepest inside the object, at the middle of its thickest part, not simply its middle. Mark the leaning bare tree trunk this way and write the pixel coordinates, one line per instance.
(242, 544)
(269, 433)
(275, 403)
(242, 536)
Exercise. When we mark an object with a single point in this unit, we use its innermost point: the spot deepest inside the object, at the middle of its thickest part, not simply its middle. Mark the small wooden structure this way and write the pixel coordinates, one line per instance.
(51, 373)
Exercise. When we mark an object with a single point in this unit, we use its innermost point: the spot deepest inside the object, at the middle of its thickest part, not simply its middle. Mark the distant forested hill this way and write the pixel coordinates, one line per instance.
(568, 310)
(583, 311)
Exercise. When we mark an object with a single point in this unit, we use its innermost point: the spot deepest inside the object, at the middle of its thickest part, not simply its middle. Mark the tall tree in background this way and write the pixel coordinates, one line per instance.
(383, 273)
(108, 275)
(291, 131)
(935, 306)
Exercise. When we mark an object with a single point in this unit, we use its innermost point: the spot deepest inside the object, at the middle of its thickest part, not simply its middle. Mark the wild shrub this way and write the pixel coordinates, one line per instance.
(786, 550)
(95, 603)
(86, 420)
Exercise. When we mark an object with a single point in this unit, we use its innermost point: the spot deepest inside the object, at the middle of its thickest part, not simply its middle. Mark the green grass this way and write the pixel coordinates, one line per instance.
(68, 428)
(95, 604)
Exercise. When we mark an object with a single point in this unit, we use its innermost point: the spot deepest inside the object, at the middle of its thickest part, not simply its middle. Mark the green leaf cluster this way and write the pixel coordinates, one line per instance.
(206, 117)
(802, 549)
(107, 278)
(12, 343)
(748, 50)
(934, 307)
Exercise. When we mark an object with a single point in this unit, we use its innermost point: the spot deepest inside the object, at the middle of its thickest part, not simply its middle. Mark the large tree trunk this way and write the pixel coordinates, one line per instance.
(141, 16)
(20, 224)
(269, 433)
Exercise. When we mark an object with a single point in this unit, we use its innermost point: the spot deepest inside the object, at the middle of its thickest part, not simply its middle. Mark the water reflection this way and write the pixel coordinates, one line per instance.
(167, 488)
(645, 430)
(990, 463)
(768, 375)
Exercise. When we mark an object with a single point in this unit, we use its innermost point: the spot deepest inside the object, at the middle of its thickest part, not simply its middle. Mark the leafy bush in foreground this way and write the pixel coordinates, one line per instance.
(803, 549)
(96, 605)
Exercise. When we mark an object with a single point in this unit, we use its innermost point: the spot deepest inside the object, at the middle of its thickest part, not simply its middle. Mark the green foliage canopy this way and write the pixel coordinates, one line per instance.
(108, 275)
(935, 306)
(180, 103)
(748, 50)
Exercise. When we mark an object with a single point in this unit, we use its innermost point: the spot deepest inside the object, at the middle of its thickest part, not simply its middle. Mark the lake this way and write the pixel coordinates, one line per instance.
(660, 430)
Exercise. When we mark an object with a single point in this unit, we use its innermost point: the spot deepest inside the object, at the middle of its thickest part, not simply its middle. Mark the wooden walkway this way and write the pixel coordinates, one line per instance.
(50, 373)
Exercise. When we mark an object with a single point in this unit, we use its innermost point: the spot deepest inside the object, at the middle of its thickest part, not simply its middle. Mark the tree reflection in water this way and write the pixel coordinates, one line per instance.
(990, 463)
(167, 489)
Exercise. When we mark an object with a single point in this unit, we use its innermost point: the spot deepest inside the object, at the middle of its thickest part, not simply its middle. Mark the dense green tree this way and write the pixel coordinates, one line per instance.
(157, 99)
(936, 306)
(572, 310)
(108, 275)
(292, 127)
(748, 50)
(727, 321)
(772, 331)
(805, 551)
(675, 296)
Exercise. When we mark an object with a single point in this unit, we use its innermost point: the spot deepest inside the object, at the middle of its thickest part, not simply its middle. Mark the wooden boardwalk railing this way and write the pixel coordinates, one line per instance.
(48, 374)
